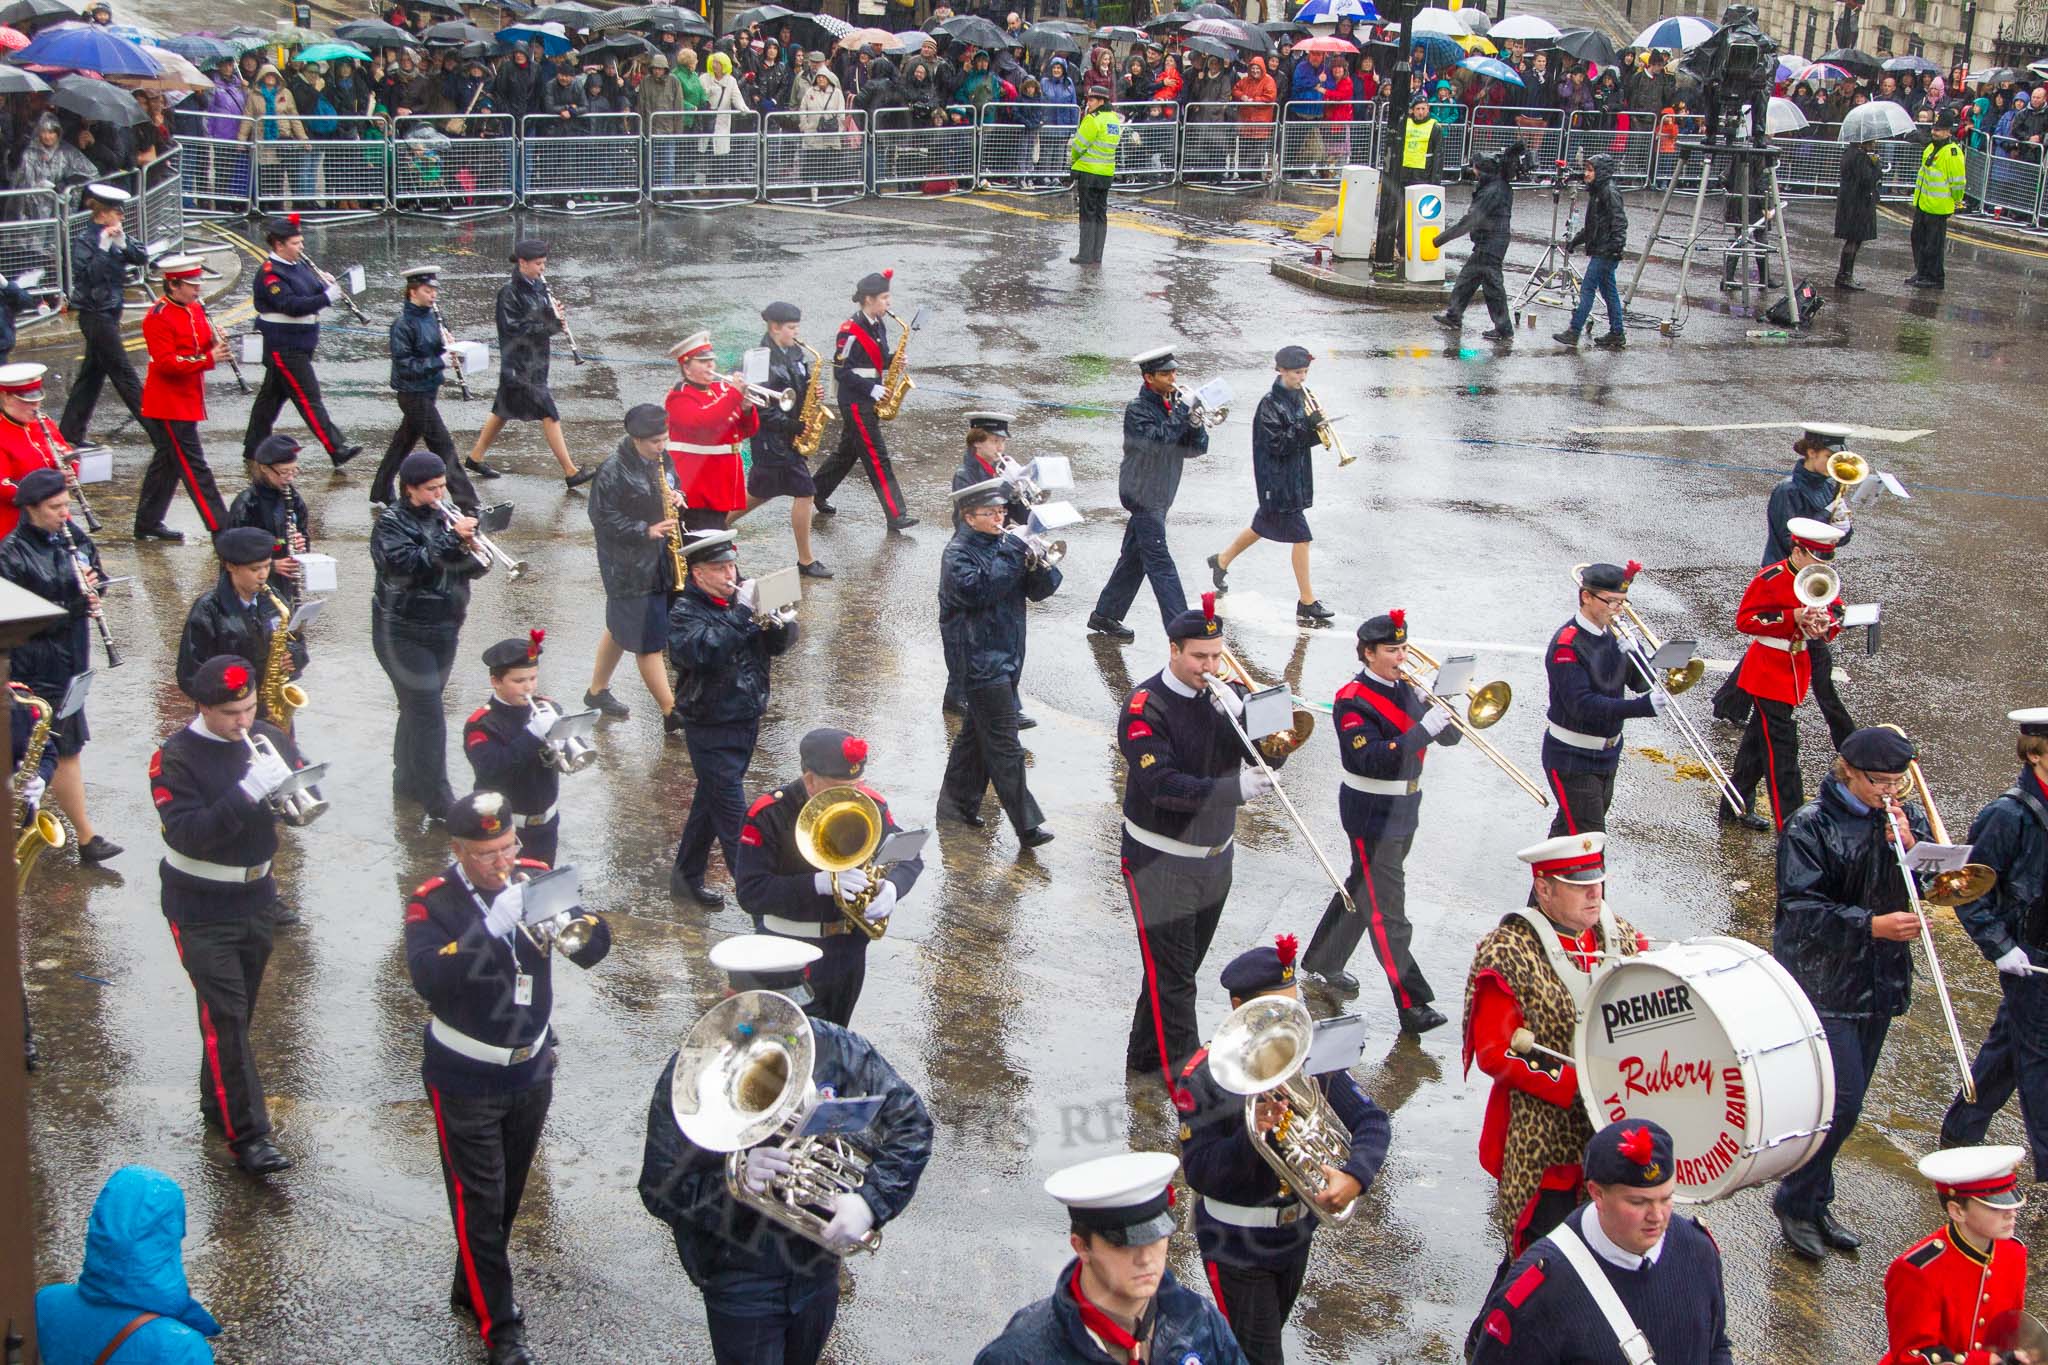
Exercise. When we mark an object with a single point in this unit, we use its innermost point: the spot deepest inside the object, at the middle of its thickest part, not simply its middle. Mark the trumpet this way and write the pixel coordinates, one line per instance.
(1217, 686)
(1487, 705)
(1326, 430)
(571, 755)
(1847, 469)
(482, 549)
(1043, 551)
(1206, 416)
(1258, 1053)
(1676, 680)
(760, 395)
(296, 808)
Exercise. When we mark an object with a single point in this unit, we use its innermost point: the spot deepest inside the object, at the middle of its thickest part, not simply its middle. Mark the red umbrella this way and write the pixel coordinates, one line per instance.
(1326, 43)
(12, 39)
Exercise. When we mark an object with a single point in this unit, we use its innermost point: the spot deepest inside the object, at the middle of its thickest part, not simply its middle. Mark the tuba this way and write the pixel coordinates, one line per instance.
(743, 1077)
(570, 755)
(811, 420)
(48, 829)
(1258, 1053)
(837, 830)
(896, 380)
(281, 697)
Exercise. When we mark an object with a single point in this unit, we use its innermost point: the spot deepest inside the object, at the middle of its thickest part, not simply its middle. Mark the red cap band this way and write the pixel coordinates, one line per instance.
(1554, 866)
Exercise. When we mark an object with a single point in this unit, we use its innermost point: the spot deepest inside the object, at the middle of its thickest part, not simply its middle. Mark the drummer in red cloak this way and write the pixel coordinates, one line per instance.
(707, 420)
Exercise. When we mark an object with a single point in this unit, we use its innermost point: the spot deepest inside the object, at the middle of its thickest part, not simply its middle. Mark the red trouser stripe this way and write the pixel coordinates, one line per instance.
(476, 1288)
(1763, 723)
(1152, 990)
(1564, 807)
(191, 484)
(212, 1039)
(1382, 949)
(874, 461)
(1216, 1289)
(305, 408)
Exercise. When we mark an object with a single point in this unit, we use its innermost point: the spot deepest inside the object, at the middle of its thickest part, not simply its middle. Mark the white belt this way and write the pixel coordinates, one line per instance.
(528, 821)
(863, 372)
(1173, 846)
(1773, 642)
(806, 928)
(1381, 786)
(456, 1041)
(1245, 1216)
(1578, 739)
(692, 448)
(287, 320)
(216, 872)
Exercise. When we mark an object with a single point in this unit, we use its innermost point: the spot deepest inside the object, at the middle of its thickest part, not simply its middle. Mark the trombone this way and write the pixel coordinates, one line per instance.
(1281, 743)
(760, 395)
(1488, 704)
(1217, 686)
(482, 549)
(1676, 680)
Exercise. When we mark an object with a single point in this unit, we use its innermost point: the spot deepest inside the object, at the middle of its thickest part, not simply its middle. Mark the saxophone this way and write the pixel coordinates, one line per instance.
(896, 380)
(811, 421)
(280, 695)
(49, 829)
(678, 567)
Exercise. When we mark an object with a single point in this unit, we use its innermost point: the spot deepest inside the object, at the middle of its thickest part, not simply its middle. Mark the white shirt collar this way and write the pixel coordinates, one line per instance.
(1586, 625)
(1603, 1246)
(1174, 685)
(1372, 677)
(198, 727)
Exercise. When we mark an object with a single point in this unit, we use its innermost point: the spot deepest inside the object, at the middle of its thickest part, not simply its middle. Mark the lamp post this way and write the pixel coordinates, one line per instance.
(1384, 249)
(1968, 56)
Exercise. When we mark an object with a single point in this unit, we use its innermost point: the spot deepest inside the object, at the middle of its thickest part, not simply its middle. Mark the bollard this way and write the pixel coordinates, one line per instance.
(1358, 213)
(1423, 218)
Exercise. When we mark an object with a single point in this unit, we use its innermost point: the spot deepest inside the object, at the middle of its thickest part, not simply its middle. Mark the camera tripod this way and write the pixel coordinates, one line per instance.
(1744, 245)
(1554, 269)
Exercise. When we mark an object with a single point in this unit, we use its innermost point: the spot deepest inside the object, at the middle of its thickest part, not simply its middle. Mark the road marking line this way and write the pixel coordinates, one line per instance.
(872, 218)
(1955, 236)
(1872, 433)
(1122, 220)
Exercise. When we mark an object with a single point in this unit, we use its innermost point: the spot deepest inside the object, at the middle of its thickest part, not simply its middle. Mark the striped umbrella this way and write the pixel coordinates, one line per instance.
(1680, 33)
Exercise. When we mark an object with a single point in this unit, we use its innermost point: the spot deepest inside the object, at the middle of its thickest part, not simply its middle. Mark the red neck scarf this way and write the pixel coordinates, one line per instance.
(1107, 1327)
(2039, 785)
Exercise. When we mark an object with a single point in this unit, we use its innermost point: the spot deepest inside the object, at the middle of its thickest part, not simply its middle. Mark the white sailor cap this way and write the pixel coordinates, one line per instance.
(181, 267)
(1817, 536)
(1985, 1174)
(691, 346)
(23, 380)
(2032, 720)
(1578, 858)
(1126, 1199)
(987, 493)
(1833, 435)
(420, 274)
(107, 194)
(711, 547)
(764, 955)
(1153, 361)
(998, 422)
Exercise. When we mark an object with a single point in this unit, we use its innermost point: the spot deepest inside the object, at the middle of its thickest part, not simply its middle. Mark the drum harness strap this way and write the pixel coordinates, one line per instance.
(1634, 1345)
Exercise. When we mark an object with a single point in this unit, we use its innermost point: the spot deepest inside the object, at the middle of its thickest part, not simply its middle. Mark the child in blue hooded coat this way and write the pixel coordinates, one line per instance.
(134, 1268)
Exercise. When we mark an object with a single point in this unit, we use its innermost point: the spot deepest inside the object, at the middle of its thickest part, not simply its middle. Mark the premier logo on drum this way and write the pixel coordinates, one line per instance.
(1650, 1010)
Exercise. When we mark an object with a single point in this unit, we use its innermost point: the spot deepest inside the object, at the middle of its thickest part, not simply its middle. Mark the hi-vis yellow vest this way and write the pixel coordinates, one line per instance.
(1415, 145)
(1092, 148)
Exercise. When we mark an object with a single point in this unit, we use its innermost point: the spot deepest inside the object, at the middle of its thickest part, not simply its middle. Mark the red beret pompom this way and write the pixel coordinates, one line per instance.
(1208, 606)
(533, 639)
(888, 274)
(854, 749)
(1634, 567)
(1399, 616)
(234, 677)
(292, 218)
(1287, 945)
(1638, 1146)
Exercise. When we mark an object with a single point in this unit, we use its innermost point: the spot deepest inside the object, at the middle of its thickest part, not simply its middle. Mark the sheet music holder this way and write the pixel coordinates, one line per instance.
(774, 591)
(74, 695)
(309, 610)
(1335, 1044)
(547, 894)
(576, 725)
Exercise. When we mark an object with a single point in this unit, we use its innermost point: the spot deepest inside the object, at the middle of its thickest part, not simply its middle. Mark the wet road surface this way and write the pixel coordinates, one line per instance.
(1005, 985)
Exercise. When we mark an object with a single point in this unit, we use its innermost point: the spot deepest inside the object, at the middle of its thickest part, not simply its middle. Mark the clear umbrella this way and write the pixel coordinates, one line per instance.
(1874, 122)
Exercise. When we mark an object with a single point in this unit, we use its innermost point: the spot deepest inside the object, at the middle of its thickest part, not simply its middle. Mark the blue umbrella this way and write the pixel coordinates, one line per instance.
(82, 47)
(198, 49)
(1328, 11)
(1493, 68)
(1442, 50)
(1681, 32)
(550, 37)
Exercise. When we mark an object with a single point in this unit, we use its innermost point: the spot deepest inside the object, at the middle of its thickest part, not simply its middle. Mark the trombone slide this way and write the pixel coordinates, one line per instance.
(1948, 1009)
(1251, 748)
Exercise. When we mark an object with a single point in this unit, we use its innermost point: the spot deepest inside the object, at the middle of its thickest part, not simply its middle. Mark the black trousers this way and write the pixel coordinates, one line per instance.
(1770, 749)
(1177, 903)
(986, 751)
(2014, 1058)
(837, 977)
(225, 959)
(1732, 703)
(1582, 801)
(176, 458)
(796, 1338)
(487, 1146)
(1255, 1301)
(1482, 273)
(1379, 888)
(1930, 242)
(420, 424)
(719, 754)
(289, 374)
(1144, 557)
(540, 842)
(1091, 195)
(861, 441)
(1855, 1044)
(1847, 269)
(105, 359)
(418, 659)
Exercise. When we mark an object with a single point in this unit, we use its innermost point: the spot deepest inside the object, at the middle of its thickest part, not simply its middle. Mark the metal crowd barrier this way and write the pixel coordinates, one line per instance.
(700, 160)
(1810, 167)
(592, 168)
(460, 167)
(1215, 153)
(1544, 139)
(820, 155)
(163, 198)
(2005, 178)
(1025, 160)
(216, 169)
(1632, 147)
(345, 175)
(1899, 163)
(32, 236)
(1302, 153)
(1148, 153)
(929, 158)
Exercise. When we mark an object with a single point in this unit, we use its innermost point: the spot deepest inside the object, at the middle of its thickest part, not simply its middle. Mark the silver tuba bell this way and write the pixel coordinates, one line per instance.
(571, 755)
(1816, 585)
(299, 804)
(1258, 1053)
(742, 1078)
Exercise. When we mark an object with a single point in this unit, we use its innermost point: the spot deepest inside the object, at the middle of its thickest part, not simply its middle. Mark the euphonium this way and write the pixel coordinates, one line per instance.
(1258, 1053)
(281, 696)
(811, 421)
(47, 830)
(838, 830)
(1325, 432)
(896, 380)
(742, 1078)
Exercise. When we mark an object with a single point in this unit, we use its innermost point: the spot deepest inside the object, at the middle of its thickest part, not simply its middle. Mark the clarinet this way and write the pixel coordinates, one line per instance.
(347, 301)
(92, 598)
(71, 483)
(460, 378)
(575, 351)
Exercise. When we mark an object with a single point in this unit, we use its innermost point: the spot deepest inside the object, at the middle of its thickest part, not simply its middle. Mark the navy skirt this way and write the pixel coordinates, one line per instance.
(639, 624)
(780, 478)
(1289, 528)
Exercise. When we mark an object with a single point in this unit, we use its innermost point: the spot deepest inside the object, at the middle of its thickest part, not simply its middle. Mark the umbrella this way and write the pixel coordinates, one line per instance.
(1826, 73)
(375, 33)
(1237, 33)
(1208, 10)
(973, 30)
(1527, 28)
(1167, 21)
(196, 48)
(1435, 21)
(1472, 42)
(30, 15)
(569, 14)
(332, 51)
(1680, 33)
(1212, 47)
(12, 39)
(1475, 21)
(1874, 121)
(1854, 61)
(15, 81)
(624, 44)
(1074, 26)
(2039, 68)
(1912, 61)
(98, 102)
(1782, 117)
(1323, 11)
(81, 47)
(1493, 69)
(1046, 40)
(454, 33)
(759, 14)
(448, 7)
(177, 74)
(1439, 48)
(1118, 33)
(548, 35)
(1285, 28)
(818, 31)
(653, 19)
(1587, 44)
(911, 43)
(1998, 75)
(1327, 42)
(866, 37)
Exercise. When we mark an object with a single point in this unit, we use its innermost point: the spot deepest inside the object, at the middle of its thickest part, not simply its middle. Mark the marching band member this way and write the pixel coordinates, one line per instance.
(1283, 439)
(1186, 774)
(787, 895)
(100, 257)
(489, 1050)
(988, 434)
(1777, 671)
(1941, 1297)
(1384, 727)
(1590, 678)
(720, 652)
(707, 420)
(39, 555)
(1160, 435)
(28, 440)
(1529, 972)
(506, 743)
(183, 345)
(271, 503)
(237, 616)
(1620, 1267)
(527, 318)
(2010, 836)
(419, 366)
(1844, 930)
(1808, 491)
(779, 470)
(1116, 1302)
(633, 510)
(985, 579)
(290, 296)
(424, 564)
(771, 1294)
(220, 835)
(1254, 1237)
(859, 362)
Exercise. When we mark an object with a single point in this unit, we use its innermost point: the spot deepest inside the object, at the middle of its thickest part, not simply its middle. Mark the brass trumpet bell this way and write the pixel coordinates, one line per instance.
(1848, 469)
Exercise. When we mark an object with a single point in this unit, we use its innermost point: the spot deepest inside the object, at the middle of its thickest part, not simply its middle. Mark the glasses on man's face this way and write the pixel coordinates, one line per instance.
(1886, 782)
(1611, 603)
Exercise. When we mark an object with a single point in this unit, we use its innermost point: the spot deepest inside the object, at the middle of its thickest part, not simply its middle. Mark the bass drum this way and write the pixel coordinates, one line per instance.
(1712, 1039)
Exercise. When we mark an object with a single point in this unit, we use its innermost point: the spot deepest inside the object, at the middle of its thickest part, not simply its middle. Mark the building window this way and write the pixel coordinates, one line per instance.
(1919, 11)
(1884, 41)
(1807, 50)
(1890, 7)
(1914, 45)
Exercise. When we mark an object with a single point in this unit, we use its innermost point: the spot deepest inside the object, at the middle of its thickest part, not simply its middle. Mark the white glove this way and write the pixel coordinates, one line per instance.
(879, 392)
(539, 723)
(884, 902)
(267, 771)
(821, 882)
(334, 292)
(748, 594)
(2014, 962)
(1226, 698)
(506, 910)
(32, 794)
(852, 1220)
(1436, 721)
(852, 882)
(1252, 784)
(1660, 702)
(763, 1165)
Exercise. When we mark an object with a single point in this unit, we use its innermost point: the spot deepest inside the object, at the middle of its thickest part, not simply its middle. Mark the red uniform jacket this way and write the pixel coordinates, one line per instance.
(1770, 670)
(705, 428)
(180, 341)
(22, 451)
(1940, 1297)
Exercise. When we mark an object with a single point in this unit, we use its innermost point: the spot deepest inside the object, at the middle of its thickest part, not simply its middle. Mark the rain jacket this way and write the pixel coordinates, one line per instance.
(1158, 440)
(32, 559)
(224, 106)
(984, 581)
(1050, 1332)
(1488, 218)
(625, 499)
(1057, 89)
(1606, 231)
(1836, 870)
(524, 323)
(659, 94)
(218, 623)
(416, 347)
(98, 273)
(691, 84)
(723, 99)
(43, 167)
(275, 117)
(512, 91)
(1251, 91)
(721, 658)
(423, 568)
(2010, 836)
(1305, 93)
(1282, 437)
(134, 1263)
